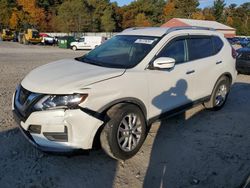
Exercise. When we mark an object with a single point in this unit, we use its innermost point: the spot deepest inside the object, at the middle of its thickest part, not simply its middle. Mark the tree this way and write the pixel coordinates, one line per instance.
(218, 9)
(180, 9)
(97, 8)
(31, 14)
(5, 13)
(185, 8)
(229, 21)
(73, 16)
(14, 19)
(152, 9)
(169, 10)
(107, 20)
(142, 21)
(208, 14)
(198, 15)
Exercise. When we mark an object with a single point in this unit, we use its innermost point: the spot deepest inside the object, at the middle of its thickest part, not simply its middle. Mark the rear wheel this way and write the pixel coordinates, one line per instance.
(219, 95)
(124, 132)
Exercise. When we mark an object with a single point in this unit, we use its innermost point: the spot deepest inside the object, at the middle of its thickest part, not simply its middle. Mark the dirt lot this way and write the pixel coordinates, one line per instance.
(199, 149)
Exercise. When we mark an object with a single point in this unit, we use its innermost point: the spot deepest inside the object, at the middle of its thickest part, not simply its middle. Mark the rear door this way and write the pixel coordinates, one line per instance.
(205, 64)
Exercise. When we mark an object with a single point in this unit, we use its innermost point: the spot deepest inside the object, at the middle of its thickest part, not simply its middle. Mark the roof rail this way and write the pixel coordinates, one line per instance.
(133, 28)
(188, 27)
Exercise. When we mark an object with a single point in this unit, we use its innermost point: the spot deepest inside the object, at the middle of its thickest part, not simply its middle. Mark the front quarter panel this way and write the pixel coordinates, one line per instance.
(132, 84)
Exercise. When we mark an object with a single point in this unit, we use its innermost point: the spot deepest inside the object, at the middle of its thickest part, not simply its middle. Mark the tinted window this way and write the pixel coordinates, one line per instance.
(81, 39)
(218, 44)
(199, 47)
(175, 50)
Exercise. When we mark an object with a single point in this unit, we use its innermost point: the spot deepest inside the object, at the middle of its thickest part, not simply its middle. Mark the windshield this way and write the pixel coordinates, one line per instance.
(35, 34)
(121, 51)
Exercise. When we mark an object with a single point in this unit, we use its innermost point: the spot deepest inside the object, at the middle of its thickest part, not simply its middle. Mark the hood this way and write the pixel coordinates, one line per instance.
(66, 77)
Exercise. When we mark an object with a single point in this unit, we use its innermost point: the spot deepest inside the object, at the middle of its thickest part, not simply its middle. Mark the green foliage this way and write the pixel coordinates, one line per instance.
(107, 20)
(185, 8)
(218, 9)
(73, 16)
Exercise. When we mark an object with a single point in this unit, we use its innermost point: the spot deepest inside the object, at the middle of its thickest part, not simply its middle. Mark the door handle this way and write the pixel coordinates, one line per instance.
(218, 62)
(190, 72)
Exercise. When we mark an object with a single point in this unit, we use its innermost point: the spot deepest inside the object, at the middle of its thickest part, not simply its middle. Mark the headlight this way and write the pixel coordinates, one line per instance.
(60, 101)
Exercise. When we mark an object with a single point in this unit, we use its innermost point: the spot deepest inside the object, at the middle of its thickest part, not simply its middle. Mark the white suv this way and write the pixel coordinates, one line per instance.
(113, 93)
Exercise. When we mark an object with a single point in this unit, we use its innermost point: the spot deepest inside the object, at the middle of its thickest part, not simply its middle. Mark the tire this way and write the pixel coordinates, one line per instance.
(74, 48)
(219, 94)
(131, 135)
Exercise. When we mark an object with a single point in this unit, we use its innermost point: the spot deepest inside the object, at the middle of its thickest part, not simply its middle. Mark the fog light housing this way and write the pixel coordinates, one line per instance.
(57, 136)
(35, 129)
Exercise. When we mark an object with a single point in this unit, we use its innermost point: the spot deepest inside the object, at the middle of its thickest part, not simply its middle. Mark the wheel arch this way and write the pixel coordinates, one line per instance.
(129, 100)
(227, 75)
(102, 112)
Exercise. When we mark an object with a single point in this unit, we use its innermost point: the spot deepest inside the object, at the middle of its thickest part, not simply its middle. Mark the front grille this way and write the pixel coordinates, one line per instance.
(25, 100)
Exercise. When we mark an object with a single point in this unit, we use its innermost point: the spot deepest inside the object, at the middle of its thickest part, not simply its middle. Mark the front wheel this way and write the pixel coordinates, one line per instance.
(219, 95)
(74, 48)
(124, 132)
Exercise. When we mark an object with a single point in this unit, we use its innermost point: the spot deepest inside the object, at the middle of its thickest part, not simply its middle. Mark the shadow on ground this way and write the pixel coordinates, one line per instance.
(204, 149)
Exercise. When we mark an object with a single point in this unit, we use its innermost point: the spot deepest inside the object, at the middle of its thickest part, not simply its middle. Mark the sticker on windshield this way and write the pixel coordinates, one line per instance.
(144, 41)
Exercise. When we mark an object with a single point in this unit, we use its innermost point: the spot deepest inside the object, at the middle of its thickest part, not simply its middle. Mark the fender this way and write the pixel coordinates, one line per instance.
(130, 100)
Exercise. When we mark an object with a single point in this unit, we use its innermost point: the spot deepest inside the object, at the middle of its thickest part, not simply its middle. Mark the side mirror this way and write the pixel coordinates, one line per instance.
(164, 63)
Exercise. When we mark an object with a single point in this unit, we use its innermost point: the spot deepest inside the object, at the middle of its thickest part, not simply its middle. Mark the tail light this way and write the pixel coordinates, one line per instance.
(234, 53)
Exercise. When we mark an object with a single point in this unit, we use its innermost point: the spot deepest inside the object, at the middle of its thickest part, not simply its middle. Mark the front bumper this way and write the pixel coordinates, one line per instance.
(59, 130)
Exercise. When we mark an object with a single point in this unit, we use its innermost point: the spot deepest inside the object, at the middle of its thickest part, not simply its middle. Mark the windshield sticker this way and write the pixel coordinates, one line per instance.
(144, 41)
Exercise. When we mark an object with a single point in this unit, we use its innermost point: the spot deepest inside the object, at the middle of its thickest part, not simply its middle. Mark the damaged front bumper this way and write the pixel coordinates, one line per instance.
(59, 130)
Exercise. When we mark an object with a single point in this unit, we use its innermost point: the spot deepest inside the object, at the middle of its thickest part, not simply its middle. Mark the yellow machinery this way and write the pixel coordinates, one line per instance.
(29, 36)
(7, 35)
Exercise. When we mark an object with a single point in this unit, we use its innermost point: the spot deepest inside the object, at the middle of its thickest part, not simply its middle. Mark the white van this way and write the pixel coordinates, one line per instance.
(88, 42)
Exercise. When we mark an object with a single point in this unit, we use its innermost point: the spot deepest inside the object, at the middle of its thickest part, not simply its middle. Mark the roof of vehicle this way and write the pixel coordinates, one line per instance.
(204, 23)
(158, 31)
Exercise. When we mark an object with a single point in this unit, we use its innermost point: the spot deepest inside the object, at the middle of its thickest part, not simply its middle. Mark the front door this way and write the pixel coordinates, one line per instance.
(171, 88)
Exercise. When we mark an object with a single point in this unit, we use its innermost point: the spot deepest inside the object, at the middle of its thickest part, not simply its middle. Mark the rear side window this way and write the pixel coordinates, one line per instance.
(218, 44)
(199, 47)
(175, 50)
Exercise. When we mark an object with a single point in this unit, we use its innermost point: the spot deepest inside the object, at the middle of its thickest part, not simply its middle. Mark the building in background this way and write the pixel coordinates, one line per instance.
(228, 32)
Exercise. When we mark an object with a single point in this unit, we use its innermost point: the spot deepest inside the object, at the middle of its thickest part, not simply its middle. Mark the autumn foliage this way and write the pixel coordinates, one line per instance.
(103, 15)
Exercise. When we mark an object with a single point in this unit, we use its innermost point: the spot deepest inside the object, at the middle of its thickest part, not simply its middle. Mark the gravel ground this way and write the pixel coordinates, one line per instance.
(197, 149)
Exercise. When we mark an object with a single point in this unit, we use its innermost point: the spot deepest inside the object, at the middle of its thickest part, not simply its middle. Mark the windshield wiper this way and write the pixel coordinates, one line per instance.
(86, 60)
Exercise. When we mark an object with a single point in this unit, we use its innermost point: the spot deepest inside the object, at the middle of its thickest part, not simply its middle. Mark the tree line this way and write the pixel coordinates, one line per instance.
(103, 15)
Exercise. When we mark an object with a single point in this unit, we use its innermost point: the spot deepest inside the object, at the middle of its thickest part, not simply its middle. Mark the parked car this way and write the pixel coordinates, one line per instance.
(87, 42)
(46, 39)
(243, 42)
(232, 41)
(243, 60)
(116, 91)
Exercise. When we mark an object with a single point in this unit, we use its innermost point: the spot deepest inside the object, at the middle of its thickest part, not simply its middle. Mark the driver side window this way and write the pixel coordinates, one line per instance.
(174, 49)
(81, 39)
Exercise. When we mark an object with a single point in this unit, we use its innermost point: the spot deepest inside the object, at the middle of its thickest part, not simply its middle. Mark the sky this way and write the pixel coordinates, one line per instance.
(203, 3)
